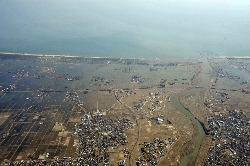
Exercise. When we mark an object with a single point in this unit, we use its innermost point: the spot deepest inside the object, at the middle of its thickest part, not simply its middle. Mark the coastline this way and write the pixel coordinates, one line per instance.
(64, 56)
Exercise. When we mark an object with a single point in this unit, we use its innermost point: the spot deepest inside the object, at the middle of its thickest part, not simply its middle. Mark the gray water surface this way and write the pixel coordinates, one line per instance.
(140, 29)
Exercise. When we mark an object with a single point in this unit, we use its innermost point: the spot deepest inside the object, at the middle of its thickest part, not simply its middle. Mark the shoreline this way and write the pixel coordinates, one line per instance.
(65, 56)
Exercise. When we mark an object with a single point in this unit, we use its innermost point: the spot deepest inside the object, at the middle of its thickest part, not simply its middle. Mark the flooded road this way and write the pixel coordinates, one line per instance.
(197, 139)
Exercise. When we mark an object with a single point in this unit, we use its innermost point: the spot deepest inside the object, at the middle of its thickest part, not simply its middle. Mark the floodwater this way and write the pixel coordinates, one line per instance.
(175, 102)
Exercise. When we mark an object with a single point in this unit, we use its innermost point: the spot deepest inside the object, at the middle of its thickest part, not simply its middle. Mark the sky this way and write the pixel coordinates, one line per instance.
(126, 28)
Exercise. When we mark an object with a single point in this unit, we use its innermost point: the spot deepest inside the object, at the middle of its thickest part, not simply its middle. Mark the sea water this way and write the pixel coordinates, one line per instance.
(141, 29)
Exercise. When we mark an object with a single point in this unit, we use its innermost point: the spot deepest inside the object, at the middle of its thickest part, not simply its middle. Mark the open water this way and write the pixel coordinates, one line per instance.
(141, 29)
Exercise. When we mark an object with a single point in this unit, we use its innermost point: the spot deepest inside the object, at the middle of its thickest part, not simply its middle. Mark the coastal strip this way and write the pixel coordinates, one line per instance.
(65, 56)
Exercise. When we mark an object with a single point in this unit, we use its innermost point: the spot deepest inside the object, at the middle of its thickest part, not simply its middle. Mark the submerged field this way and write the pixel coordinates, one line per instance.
(102, 110)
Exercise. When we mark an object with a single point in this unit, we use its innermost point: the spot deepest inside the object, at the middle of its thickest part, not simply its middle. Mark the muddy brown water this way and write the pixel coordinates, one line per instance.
(197, 139)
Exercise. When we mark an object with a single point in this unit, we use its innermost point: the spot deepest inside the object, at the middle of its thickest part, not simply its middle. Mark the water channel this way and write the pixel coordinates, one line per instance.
(197, 139)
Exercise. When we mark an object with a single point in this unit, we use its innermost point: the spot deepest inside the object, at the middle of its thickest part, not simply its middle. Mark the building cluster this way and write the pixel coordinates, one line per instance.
(217, 100)
(138, 79)
(135, 78)
(161, 119)
(68, 77)
(138, 105)
(99, 80)
(5, 90)
(99, 136)
(73, 78)
(151, 152)
(230, 139)
(155, 103)
(64, 161)
(72, 96)
(125, 69)
(41, 95)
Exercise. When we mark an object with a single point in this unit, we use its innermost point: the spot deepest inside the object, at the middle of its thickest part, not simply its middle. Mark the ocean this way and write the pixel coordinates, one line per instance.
(162, 29)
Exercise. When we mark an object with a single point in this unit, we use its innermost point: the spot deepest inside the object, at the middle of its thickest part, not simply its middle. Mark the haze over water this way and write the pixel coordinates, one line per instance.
(131, 28)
